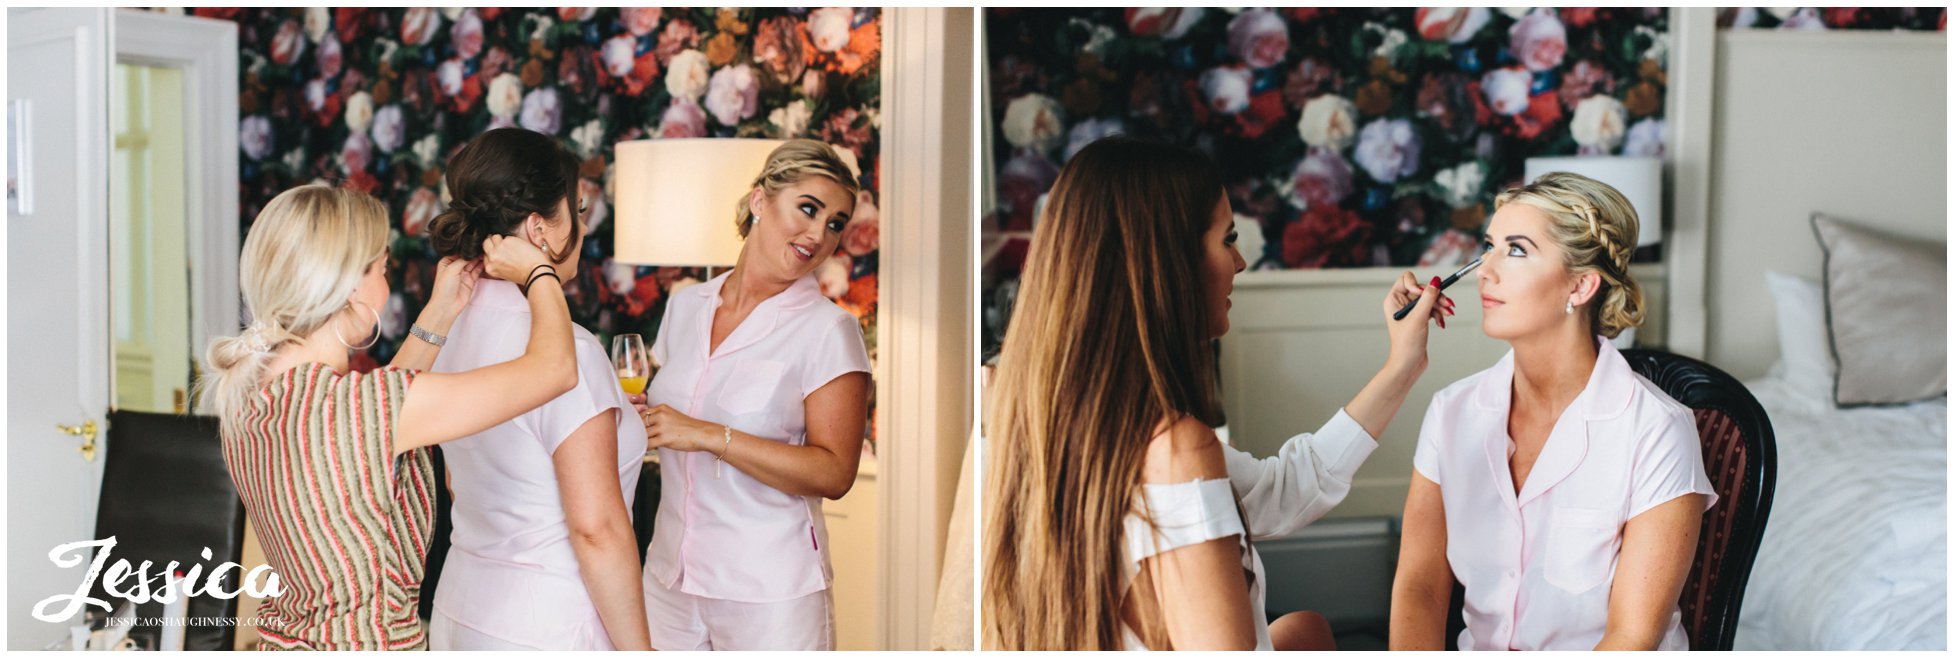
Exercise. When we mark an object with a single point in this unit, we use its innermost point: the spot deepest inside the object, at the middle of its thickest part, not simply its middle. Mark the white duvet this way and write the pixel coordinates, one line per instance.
(1855, 552)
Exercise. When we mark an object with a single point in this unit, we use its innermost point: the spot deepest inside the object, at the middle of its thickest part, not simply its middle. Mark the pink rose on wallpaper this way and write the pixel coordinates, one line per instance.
(1326, 236)
(1311, 77)
(863, 234)
(682, 118)
(1259, 37)
(1168, 23)
(254, 136)
(1452, 248)
(496, 61)
(288, 43)
(448, 75)
(330, 60)
(575, 14)
(466, 35)
(1451, 24)
(813, 83)
(621, 277)
(1539, 40)
(733, 94)
(640, 21)
(1387, 149)
(1585, 78)
(678, 36)
(389, 128)
(620, 55)
(1320, 179)
(356, 153)
(846, 129)
(829, 28)
(777, 47)
(1226, 88)
(542, 111)
(422, 205)
(418, 26)
(1506, 89)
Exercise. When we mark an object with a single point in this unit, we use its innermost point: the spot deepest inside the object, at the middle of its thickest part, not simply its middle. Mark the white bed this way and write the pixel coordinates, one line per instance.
(1854, 555)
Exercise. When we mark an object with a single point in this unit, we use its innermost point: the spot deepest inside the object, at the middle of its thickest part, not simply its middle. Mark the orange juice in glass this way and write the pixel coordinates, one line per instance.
(628, 359)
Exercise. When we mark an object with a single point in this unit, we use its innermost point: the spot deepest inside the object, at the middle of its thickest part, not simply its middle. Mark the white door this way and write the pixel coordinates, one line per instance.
(57, 345)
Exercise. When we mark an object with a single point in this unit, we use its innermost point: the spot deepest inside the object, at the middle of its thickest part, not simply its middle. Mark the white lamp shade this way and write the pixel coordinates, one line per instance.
(1639, 179)
(677, 198)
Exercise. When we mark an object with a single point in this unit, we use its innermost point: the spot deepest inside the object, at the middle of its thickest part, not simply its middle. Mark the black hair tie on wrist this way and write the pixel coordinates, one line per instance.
(533, 278)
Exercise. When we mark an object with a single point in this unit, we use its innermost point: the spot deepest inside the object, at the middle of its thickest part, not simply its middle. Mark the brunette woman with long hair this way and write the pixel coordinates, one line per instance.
(1114, 516)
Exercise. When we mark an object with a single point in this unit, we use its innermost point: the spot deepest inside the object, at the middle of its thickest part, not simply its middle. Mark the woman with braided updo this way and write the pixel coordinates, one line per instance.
(1559, 488)
(543, 555)
(332, 465)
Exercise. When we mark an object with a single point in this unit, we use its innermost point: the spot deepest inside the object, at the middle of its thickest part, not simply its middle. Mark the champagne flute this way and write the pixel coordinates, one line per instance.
(628, 359)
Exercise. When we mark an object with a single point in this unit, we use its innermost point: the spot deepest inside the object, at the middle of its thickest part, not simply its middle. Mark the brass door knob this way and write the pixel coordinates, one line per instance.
(87, 433)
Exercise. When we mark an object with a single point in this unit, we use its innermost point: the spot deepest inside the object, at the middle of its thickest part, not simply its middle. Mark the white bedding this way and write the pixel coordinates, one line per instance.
(1855, 552)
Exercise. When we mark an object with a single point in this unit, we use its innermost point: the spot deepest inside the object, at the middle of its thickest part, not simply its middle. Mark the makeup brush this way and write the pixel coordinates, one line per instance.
(1442, 285)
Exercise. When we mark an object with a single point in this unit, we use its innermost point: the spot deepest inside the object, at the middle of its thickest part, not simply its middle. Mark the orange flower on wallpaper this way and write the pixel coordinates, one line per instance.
(860, 300)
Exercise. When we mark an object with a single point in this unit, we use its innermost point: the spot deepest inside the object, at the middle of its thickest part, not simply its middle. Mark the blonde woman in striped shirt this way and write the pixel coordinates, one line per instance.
(333, 465)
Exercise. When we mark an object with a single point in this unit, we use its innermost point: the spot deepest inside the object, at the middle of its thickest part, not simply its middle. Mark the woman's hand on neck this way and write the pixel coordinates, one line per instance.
(1553, 367)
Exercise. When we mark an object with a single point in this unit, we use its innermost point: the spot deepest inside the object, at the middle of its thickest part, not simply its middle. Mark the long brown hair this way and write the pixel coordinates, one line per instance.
(1108, 338)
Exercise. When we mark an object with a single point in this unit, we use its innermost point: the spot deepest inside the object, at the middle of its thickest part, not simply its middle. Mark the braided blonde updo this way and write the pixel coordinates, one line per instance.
(1596, 227)
(788, 164)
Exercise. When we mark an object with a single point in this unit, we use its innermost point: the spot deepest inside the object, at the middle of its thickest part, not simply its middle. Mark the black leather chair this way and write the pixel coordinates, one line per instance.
(1740, 456)
(166, 496)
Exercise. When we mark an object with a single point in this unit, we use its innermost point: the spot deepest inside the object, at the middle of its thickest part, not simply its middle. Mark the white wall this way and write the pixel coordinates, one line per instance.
(1852, 124)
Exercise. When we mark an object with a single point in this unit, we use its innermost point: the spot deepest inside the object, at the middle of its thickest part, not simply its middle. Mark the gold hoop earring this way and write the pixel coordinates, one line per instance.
(377, 320)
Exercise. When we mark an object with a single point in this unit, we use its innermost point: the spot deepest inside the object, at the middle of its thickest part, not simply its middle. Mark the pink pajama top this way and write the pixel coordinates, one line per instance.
(720, 533)
(1537, 566)
(511, 573)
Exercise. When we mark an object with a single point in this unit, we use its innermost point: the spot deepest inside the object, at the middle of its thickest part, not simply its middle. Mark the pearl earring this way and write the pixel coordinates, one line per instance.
(1570, 308)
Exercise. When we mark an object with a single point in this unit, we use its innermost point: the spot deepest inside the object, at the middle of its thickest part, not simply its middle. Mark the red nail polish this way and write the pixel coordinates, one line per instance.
(1434, 281)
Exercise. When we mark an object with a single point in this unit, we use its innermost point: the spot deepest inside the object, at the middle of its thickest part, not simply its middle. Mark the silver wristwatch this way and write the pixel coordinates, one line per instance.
(432, 338)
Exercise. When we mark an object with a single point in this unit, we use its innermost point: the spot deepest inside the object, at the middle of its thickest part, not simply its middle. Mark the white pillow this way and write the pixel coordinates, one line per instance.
(1805, 349)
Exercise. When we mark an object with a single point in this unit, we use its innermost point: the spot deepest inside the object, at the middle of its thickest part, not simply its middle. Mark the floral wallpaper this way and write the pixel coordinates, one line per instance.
(1352, 137)
(378, 98)
(1834, 18)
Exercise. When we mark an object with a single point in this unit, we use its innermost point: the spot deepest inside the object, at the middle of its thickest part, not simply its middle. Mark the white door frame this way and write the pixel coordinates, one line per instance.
(57, 306)
(925, 322)
(206, 51)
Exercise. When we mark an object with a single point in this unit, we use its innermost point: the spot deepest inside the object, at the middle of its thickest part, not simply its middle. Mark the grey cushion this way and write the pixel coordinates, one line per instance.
(1886, 310)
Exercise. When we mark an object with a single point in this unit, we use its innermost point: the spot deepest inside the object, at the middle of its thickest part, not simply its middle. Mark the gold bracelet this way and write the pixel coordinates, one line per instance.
(721, 457)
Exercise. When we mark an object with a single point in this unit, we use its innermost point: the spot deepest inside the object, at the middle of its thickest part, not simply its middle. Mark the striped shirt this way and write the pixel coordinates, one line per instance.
(344, 522)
